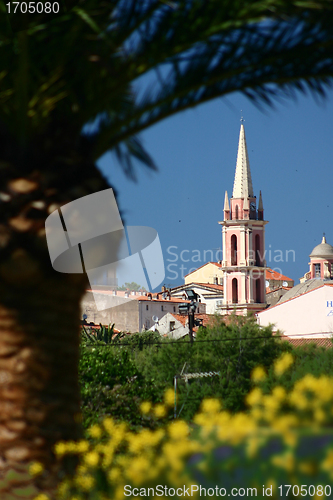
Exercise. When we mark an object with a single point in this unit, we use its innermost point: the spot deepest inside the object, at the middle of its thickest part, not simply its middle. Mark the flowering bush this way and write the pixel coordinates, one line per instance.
(283, 441)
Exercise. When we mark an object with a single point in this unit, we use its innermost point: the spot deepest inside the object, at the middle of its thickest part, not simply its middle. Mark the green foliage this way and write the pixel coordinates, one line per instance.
(307, 359)
(233, 350)
(112, 384)
(103, 335)
(116, 379)
(131, 286)
(193, 51)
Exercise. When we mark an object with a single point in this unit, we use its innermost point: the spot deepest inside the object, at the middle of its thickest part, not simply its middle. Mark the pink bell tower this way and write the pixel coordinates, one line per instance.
(243, 240)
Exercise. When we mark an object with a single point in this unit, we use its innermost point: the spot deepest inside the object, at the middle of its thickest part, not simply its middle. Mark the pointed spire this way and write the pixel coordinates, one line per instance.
(226, 202)
(260, 205)
(243, 181)
(324, 238)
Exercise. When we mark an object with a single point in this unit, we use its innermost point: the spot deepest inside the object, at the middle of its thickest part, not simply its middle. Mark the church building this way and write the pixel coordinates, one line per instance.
(243, 240)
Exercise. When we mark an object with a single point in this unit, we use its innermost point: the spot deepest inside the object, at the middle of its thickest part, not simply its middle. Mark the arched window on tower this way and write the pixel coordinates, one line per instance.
(235, 291)
(234, 250)
(257, 250)
(258, 291)
(236, 212)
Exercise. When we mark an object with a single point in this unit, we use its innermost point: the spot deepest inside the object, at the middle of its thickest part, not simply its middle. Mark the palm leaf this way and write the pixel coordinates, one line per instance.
(125, 65)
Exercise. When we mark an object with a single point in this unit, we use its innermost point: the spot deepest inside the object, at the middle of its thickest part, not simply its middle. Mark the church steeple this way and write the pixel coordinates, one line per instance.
(243, 240)
(243, 181)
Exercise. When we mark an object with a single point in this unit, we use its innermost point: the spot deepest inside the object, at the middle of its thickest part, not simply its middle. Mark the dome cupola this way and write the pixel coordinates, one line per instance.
(323, 250)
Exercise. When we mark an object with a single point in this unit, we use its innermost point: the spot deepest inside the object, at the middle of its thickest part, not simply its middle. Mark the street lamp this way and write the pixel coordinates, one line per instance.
(189, 309)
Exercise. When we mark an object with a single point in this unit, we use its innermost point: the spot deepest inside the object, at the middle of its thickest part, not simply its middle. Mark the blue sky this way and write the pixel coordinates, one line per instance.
(291, 158)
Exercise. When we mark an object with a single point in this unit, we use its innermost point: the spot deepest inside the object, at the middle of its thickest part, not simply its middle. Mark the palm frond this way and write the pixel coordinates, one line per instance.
(127, 64)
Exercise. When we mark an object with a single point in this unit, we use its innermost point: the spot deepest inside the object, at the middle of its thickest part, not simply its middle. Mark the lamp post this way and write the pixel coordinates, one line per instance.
(189, 309)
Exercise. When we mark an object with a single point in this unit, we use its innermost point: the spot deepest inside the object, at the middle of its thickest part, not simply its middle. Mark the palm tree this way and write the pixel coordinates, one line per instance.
(79, 83)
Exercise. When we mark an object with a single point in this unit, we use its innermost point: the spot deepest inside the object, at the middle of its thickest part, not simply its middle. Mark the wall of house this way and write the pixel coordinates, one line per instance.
(155, 308)
(310, 313)
(205, 274)
(178, 330)
(125, 316)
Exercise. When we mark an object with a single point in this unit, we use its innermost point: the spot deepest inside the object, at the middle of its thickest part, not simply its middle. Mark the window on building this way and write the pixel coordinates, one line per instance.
(235, 291)
(174, 309)
(172, 326)
(258, 291)
(234, 250)
(221, 281)
(162, 308)
(332, 271)
(236, 212)
(147, 307)
(216, 281)
(258, 250)
(317, 271)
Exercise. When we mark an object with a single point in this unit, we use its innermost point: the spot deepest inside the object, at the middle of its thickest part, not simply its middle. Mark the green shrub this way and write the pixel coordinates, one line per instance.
(117, 378)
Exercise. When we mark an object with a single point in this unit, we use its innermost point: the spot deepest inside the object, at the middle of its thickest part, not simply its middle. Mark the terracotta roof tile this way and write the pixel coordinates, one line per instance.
(121, 293)
(273, 275)
(320, 342)
(213, 286)
(206, 318)
(268, 290)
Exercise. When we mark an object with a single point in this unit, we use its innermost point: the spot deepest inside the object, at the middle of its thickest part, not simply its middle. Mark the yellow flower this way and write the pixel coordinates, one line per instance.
(283, 363)
(169, 397)
(159, 411)
(95, 431)
(42, 496)
(109, 425)
(91, 458)
(210, 405)
(258, 374)
(279, 393)
(36, 468)
(145, 407)
(85, 482)
(60, 448)
(178, 430)
(327, 464)
(82, 446)
(285, 461)
(114, 474)
(255, 397)
(307, 468)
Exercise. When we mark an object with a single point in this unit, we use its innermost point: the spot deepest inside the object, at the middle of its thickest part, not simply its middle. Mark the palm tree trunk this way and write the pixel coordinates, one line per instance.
(39, 391)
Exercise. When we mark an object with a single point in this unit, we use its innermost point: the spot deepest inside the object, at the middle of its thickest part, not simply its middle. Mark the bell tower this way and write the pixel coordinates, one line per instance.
(243, 242)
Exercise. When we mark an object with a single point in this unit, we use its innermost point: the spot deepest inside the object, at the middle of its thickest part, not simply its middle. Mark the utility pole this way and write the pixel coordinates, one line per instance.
(191, 310)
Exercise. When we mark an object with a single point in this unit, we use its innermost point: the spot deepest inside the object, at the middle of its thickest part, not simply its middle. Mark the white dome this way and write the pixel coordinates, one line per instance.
(324, 250)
